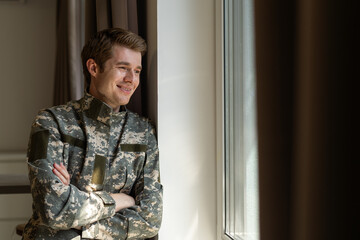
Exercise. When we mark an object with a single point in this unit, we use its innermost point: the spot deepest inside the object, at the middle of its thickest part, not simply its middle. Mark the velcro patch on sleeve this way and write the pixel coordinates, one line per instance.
(39, 145)
(105, 197)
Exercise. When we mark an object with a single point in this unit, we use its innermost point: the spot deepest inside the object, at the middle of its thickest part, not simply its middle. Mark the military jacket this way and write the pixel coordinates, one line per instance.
(104, 152)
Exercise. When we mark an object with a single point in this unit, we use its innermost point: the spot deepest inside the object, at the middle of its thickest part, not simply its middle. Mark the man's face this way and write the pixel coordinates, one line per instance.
(120, 78)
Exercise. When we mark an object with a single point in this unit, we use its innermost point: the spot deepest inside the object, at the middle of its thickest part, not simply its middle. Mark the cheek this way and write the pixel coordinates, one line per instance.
(103, 86)
(110, 80)
(136, 83)
(118, 74)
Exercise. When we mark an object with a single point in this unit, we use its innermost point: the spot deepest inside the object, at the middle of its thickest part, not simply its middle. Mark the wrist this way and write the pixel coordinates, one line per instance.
(122, 201)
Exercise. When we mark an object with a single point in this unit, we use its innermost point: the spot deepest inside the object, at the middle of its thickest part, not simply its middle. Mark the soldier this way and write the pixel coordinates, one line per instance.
(93, 164)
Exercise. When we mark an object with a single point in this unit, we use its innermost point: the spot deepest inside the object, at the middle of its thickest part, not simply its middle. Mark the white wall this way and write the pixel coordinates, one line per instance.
(186, 117)
(27, 61)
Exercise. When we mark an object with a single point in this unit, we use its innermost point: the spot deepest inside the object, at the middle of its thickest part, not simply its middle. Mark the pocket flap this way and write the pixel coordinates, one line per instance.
(133, 147)
(106, 198)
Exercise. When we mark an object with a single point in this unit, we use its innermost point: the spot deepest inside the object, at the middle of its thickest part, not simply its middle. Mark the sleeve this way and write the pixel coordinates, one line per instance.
(144, 219)
(57, 205)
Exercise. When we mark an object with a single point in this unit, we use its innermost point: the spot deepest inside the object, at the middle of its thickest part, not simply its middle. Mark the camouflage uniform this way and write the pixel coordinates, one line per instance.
(104, 152)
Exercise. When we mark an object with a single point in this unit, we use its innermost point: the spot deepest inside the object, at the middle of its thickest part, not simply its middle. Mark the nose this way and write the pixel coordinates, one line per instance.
(130, 76)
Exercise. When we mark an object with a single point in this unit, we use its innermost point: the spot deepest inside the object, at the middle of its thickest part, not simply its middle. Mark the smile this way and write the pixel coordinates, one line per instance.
(124, 89)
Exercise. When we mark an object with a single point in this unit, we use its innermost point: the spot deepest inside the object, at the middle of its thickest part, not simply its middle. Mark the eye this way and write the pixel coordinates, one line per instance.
(137, 72)
(122, 68)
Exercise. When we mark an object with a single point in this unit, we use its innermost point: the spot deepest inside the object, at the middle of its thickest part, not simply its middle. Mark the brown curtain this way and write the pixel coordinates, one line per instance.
(305, 57)
(127, 14)
(69, 83)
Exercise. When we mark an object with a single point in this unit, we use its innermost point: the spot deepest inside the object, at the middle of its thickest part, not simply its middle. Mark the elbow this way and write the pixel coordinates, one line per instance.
(147, 232)
(51, 223)
(55, 220)
(53, 213)
(153, 227)
(154, 230)
(145, 227)
(154, 217)
(154, 224)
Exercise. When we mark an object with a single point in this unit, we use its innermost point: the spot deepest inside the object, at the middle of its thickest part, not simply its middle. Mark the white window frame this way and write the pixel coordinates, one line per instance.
(240, 56)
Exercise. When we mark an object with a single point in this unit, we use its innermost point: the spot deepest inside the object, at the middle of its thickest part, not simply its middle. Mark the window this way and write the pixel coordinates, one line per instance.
(240, 177)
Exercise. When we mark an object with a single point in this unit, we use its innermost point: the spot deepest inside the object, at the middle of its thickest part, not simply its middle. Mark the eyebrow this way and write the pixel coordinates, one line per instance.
(127, 64)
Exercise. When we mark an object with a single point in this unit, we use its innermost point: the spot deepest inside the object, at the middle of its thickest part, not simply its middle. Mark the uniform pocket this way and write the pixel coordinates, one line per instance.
(131, 167)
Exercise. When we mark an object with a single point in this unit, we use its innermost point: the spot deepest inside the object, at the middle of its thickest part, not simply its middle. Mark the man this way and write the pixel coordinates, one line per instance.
(93, 165)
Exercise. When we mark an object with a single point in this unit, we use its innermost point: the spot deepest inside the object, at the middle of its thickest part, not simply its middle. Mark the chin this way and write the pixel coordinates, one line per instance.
(122, 103)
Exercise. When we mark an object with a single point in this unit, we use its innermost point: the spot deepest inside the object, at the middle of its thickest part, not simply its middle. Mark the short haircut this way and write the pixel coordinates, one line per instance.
(100, 46)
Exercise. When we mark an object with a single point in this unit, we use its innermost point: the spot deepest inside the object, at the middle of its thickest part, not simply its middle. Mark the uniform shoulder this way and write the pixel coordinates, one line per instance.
(65, 108)
(60, 112)
(138, 120)
(137, 117)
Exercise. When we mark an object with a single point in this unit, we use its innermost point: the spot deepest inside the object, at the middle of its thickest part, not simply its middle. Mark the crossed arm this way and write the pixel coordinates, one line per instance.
(122, 200)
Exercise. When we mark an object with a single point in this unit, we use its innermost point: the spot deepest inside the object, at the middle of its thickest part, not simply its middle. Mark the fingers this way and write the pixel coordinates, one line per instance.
(61, 172)
(60, 176)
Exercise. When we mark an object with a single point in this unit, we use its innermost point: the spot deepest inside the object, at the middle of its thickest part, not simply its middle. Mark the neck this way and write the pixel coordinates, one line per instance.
(96, 95)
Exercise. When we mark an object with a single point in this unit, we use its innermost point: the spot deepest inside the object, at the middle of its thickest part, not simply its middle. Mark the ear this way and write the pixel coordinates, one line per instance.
(92, 67)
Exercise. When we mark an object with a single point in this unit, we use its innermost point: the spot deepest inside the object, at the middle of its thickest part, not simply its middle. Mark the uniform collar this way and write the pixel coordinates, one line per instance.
(98, 110)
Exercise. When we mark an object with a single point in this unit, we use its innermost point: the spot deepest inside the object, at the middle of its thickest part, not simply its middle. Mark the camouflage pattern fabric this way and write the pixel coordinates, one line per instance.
(104, 152)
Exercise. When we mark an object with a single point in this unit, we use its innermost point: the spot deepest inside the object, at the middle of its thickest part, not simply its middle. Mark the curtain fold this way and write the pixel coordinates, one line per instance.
(305, 56)
(69, 83)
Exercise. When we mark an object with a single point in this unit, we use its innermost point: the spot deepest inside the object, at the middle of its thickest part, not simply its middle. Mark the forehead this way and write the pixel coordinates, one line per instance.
(121, 53)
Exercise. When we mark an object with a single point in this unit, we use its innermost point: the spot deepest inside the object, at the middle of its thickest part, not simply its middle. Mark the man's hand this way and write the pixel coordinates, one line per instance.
(61, 172)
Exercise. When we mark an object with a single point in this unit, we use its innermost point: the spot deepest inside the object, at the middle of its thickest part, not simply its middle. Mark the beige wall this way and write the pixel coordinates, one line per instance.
(27, 61)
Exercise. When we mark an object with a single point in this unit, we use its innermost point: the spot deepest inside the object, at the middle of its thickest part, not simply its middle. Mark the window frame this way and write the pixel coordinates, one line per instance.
(221, 122)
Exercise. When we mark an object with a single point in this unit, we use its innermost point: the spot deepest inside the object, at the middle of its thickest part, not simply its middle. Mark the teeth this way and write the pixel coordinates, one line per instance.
(124, 88)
